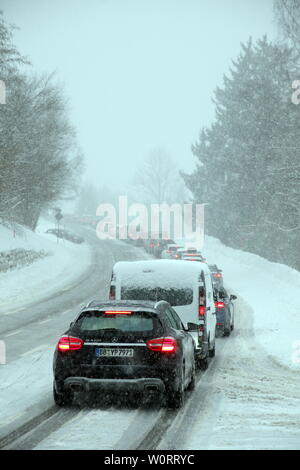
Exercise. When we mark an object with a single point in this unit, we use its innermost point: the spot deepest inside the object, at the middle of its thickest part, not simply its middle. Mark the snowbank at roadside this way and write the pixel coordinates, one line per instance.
(65, 262)
(23, 383)
(271, 289)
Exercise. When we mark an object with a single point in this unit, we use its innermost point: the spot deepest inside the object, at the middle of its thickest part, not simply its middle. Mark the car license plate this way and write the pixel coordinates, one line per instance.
(114, 352)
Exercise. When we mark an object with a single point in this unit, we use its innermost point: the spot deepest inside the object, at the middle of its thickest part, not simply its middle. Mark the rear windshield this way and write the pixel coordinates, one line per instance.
(95, 321)
(175, 297)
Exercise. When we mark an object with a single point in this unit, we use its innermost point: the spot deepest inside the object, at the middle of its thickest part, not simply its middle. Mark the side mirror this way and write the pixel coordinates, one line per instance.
(233, 297)
(71, 324)
(192, 327)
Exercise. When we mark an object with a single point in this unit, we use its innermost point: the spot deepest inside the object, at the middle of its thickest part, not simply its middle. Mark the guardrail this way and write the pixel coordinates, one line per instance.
(18, 257)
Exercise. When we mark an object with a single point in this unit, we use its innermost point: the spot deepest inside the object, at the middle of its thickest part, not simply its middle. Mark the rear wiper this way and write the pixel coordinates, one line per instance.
(110, 330)
(102, 331)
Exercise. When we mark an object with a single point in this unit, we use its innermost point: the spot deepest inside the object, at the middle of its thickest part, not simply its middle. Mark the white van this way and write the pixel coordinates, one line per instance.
(185, 285)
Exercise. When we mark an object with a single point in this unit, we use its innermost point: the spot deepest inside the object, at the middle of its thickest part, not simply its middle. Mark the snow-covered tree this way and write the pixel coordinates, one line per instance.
(287, 13)
(88, 199)
(246, 156)
(39, 157)
(157, 180)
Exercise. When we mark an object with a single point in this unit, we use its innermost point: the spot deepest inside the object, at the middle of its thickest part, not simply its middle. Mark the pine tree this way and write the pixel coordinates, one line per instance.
(245, 158)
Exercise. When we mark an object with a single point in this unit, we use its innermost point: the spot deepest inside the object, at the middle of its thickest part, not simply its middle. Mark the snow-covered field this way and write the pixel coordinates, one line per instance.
(66, 261)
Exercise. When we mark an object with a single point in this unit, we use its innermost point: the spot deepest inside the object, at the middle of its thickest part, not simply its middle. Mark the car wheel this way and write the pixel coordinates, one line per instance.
(175, 398)
(192, 383)
(212, 352)
(62, 399)
(227, 331)
(203, 363)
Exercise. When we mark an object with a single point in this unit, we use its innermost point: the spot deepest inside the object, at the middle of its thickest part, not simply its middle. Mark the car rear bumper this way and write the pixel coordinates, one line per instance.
(85, 384)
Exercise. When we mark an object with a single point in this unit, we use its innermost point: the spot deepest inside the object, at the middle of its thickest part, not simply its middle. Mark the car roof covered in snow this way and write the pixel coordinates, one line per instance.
(162, 273)
(214, 268)
(135, 305)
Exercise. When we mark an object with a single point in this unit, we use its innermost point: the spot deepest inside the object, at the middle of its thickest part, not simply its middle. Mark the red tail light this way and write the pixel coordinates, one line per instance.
(163, 345)
(219, 304)
(69, 343)
(217, 275)
(201, 311)
(117, 312)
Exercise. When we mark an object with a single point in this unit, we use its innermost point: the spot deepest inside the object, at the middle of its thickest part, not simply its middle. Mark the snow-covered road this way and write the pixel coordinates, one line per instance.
(246, 398)
(30, 335)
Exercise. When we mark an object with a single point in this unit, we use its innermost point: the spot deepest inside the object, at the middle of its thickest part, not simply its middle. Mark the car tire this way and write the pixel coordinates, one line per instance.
(175, 398)
(192, 383)
(62, 399)
(204, 363)
(212, 352)
(227, 332)
(201, 363)
(232, 325)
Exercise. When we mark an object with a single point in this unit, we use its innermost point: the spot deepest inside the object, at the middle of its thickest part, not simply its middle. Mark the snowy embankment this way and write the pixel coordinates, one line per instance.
(43, 277)
(272, 290)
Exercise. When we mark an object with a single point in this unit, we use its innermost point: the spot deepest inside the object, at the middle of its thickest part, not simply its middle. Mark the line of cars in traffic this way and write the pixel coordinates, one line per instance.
(158, 326)
(224, 302)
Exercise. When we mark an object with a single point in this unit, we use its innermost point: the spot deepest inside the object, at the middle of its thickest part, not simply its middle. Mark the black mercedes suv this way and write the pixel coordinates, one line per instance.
(125, 346)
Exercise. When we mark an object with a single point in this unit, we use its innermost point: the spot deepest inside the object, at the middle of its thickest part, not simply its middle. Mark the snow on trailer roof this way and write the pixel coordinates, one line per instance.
(162, 273)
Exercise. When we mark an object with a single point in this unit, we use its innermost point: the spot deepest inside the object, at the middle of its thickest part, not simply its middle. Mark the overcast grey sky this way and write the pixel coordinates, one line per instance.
(138, 73)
